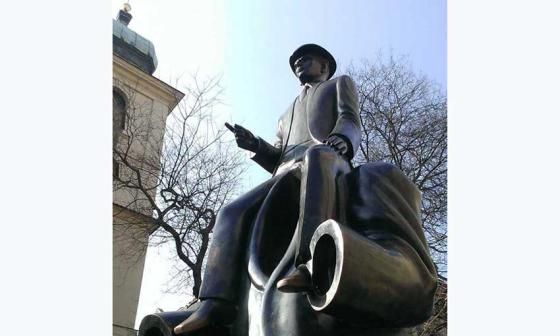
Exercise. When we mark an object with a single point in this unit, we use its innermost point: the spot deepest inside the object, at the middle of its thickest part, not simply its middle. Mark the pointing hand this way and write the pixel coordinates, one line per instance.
(244, 138)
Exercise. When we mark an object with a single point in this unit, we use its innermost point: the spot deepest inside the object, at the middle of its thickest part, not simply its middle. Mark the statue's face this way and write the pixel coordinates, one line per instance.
(311, 68)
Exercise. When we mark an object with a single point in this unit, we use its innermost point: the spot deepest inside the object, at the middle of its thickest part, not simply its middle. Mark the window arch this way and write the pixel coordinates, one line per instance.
(119, 114)
(119, 122)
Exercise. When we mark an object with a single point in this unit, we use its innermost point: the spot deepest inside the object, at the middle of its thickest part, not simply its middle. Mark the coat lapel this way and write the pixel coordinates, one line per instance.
(310, 111)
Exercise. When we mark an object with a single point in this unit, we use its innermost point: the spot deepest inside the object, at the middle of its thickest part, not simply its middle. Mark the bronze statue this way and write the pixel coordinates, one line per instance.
(321, 248)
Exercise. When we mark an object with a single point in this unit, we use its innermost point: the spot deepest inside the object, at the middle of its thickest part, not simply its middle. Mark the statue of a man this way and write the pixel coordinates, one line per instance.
(318, 135)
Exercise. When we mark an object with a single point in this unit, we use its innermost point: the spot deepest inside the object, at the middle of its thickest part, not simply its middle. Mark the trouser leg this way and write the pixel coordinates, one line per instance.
(225, 263)
(396, 287)
(318, 202)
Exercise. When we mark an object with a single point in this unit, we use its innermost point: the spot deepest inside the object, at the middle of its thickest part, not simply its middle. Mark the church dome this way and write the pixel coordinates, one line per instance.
(132, 46)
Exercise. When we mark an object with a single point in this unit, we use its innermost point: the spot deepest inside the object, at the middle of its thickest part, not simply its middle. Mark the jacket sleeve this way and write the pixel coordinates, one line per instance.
(267, 155)
(348, 121)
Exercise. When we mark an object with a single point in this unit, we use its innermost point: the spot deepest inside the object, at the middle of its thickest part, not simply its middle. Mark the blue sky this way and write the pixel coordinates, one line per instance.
(249, 42)
(261, 35)
(503, 74)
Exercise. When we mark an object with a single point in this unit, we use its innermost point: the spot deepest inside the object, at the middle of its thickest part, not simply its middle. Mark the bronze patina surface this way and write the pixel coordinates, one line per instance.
(321, 248)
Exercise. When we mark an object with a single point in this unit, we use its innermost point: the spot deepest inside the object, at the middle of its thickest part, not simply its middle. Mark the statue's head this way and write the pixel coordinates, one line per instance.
(312, 63)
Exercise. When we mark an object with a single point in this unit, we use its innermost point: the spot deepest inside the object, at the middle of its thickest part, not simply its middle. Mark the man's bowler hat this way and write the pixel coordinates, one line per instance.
(315, 50)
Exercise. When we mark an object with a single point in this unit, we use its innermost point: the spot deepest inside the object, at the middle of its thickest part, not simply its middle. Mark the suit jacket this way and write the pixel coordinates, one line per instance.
(331, 108)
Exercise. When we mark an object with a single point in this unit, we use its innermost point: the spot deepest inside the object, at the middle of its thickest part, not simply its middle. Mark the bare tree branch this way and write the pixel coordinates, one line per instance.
(184, 184)
(404, 120)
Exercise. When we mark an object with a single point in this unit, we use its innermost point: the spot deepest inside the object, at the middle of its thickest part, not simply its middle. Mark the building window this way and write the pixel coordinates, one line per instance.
(116, 168)
(119, 115)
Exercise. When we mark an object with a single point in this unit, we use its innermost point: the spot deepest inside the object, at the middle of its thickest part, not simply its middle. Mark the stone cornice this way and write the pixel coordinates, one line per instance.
(145, 83)
(131, 215)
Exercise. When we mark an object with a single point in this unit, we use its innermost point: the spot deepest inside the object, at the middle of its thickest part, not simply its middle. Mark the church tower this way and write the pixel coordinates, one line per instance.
(141, 104)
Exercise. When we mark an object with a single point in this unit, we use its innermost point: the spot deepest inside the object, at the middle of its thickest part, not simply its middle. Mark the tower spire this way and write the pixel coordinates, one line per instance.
(124, 15)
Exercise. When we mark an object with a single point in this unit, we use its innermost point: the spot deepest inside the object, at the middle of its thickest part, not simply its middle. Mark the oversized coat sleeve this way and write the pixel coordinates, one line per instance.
(348, 120)
(267, 155)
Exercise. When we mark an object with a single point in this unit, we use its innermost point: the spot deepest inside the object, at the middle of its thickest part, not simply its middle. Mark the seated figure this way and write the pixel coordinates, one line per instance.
(321, 248)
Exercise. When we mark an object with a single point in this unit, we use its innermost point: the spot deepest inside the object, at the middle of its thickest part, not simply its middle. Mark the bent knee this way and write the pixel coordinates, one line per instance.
(232, 211)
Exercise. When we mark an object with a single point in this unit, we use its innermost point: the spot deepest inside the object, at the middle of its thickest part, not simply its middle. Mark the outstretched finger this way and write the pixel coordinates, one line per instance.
(229, 127)
(240, 130)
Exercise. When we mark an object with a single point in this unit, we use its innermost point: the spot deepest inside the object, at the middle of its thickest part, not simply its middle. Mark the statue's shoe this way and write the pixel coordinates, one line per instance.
(210, 312)
(297, 281)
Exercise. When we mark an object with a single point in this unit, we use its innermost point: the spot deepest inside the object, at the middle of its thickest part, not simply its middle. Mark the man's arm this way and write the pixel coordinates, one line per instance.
(266, 155)
(346, 135)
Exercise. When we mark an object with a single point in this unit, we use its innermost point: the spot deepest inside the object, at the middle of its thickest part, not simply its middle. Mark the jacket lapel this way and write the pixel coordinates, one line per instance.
(309, 110)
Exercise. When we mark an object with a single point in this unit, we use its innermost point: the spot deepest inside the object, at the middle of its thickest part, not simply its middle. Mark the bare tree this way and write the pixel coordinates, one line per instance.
(183, 184)
(404, 120)
(437, 323)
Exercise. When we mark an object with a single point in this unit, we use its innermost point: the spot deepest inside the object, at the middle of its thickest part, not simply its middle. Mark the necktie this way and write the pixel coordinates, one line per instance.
(304, 92)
